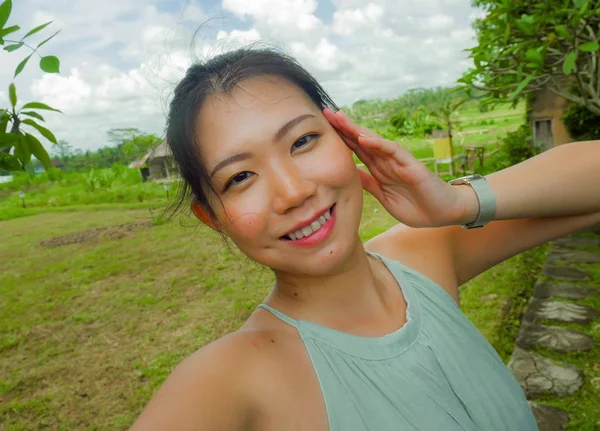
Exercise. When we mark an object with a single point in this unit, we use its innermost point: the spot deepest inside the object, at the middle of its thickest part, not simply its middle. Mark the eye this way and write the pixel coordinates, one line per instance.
(303, 141)
(238, 179)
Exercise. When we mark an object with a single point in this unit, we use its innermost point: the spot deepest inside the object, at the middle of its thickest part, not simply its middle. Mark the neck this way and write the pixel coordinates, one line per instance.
(353, 291)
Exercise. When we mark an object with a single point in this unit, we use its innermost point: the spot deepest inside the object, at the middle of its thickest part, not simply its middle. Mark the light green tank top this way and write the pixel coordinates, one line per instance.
(436, 373)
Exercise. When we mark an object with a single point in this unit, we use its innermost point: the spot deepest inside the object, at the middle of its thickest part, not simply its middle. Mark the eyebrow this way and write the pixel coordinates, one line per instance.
(277, 137)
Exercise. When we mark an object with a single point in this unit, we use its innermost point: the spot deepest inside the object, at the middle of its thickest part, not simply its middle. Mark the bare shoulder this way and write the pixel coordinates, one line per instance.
(214, 388)
(428, 251)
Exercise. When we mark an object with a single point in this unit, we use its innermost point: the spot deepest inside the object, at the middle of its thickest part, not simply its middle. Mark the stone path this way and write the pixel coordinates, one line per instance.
(554, 299)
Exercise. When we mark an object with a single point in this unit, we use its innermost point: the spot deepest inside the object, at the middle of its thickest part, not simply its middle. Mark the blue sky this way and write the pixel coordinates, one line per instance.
(120, 59)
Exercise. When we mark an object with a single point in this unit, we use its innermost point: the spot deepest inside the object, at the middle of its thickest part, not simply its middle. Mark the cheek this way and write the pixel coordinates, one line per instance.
(337, 162)
(245, 219)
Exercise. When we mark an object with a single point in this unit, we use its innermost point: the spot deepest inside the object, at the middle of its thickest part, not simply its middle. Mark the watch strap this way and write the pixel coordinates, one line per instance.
(485, 195)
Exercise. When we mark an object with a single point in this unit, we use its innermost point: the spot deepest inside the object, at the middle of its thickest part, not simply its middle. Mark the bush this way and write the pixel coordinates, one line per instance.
(518, 146)
(417, 124)
(581, 123)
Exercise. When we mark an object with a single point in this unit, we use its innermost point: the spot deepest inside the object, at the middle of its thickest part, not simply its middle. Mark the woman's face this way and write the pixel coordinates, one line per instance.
(277, 165)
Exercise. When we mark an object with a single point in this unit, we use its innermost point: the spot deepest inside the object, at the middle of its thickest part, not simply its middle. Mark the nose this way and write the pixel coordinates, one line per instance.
(291, 189)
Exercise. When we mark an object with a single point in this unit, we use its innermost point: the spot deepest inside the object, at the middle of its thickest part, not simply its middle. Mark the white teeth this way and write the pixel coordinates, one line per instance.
(314, 226)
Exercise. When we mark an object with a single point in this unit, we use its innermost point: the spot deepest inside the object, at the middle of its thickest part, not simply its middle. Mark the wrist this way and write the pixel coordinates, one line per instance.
(468, 204)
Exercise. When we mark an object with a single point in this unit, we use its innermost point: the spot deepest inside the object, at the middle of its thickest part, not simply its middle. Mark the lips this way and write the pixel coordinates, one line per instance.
(306, 228)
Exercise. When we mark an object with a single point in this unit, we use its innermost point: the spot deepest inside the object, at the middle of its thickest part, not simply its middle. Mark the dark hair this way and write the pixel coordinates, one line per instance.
(220, 75)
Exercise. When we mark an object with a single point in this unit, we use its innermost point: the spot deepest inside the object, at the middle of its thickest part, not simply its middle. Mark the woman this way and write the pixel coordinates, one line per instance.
(352, 336)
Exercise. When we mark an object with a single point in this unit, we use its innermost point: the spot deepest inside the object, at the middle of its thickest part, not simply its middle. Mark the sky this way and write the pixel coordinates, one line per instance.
(121, 59)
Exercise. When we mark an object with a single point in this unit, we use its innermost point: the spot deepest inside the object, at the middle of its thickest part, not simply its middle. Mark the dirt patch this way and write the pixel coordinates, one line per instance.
(111, 232)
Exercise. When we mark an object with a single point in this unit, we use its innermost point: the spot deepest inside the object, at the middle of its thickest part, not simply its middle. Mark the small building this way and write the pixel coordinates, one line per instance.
(544, 114)
(57, 164)
(157, 165)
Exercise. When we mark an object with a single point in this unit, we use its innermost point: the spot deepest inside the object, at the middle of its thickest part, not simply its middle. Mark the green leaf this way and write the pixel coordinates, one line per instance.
(8, 30)
(12, 92)
(45, 132)
(50, 64)
(22, 151)
(579, 3)
(3, 123)
(13, 47)
(33, 114)
(38, 28)
(589, 47)
(38, 105)
(521, 87)
(21, 65)
(8, 140)
(38, 150)
(46, 40)
(563, 32)
(8, 162)
(5, 9)
(534, 56)
(569, 63)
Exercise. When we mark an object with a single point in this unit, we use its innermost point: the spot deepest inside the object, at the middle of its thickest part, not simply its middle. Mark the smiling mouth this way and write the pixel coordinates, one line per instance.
(310, 229)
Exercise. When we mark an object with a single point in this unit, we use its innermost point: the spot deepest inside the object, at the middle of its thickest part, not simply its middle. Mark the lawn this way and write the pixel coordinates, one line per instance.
(90, 330)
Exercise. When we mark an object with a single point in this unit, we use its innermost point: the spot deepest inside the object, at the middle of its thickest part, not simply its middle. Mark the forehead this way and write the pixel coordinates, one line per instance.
(249, 115)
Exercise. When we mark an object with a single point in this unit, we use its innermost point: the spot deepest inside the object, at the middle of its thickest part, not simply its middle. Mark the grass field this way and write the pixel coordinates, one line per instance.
(89, 330)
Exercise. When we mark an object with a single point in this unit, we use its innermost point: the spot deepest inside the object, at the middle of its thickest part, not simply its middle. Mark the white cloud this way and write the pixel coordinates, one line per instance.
(324, 56)
(347, 22)
(436, 22)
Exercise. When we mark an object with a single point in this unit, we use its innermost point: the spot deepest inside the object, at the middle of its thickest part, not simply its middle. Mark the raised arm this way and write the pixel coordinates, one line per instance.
(563, 181)
(551, 195)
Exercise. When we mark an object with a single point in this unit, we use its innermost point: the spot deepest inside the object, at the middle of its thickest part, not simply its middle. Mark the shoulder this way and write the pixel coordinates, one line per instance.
(216, 387)
(428, 251)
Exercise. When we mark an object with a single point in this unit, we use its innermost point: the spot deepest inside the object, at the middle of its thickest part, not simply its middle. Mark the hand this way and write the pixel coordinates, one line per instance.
(405, 187)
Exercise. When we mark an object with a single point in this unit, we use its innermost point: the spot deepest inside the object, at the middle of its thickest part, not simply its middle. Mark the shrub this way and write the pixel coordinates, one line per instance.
(581, 123)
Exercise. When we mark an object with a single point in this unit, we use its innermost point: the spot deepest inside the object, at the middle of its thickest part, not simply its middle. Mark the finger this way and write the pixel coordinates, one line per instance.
(348, 140)
(361, 153)
(388, 147)
(333, 119)
(330, 116)
(382, 145)
(352, 128)
(370, 184)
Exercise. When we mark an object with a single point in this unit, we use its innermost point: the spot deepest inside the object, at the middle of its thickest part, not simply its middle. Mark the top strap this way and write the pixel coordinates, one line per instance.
(287, 319)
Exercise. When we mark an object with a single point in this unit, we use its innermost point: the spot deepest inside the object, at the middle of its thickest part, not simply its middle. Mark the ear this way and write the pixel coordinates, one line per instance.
(202, 215)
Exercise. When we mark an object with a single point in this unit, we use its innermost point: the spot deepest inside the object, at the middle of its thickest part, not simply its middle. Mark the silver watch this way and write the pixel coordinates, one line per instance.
(485, 195)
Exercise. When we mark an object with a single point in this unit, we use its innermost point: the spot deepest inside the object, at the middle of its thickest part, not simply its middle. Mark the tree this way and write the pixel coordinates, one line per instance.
(524, 46)
(140, 144)
(16, 145)
(448, 106)
(120, 136)
(62, 150)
